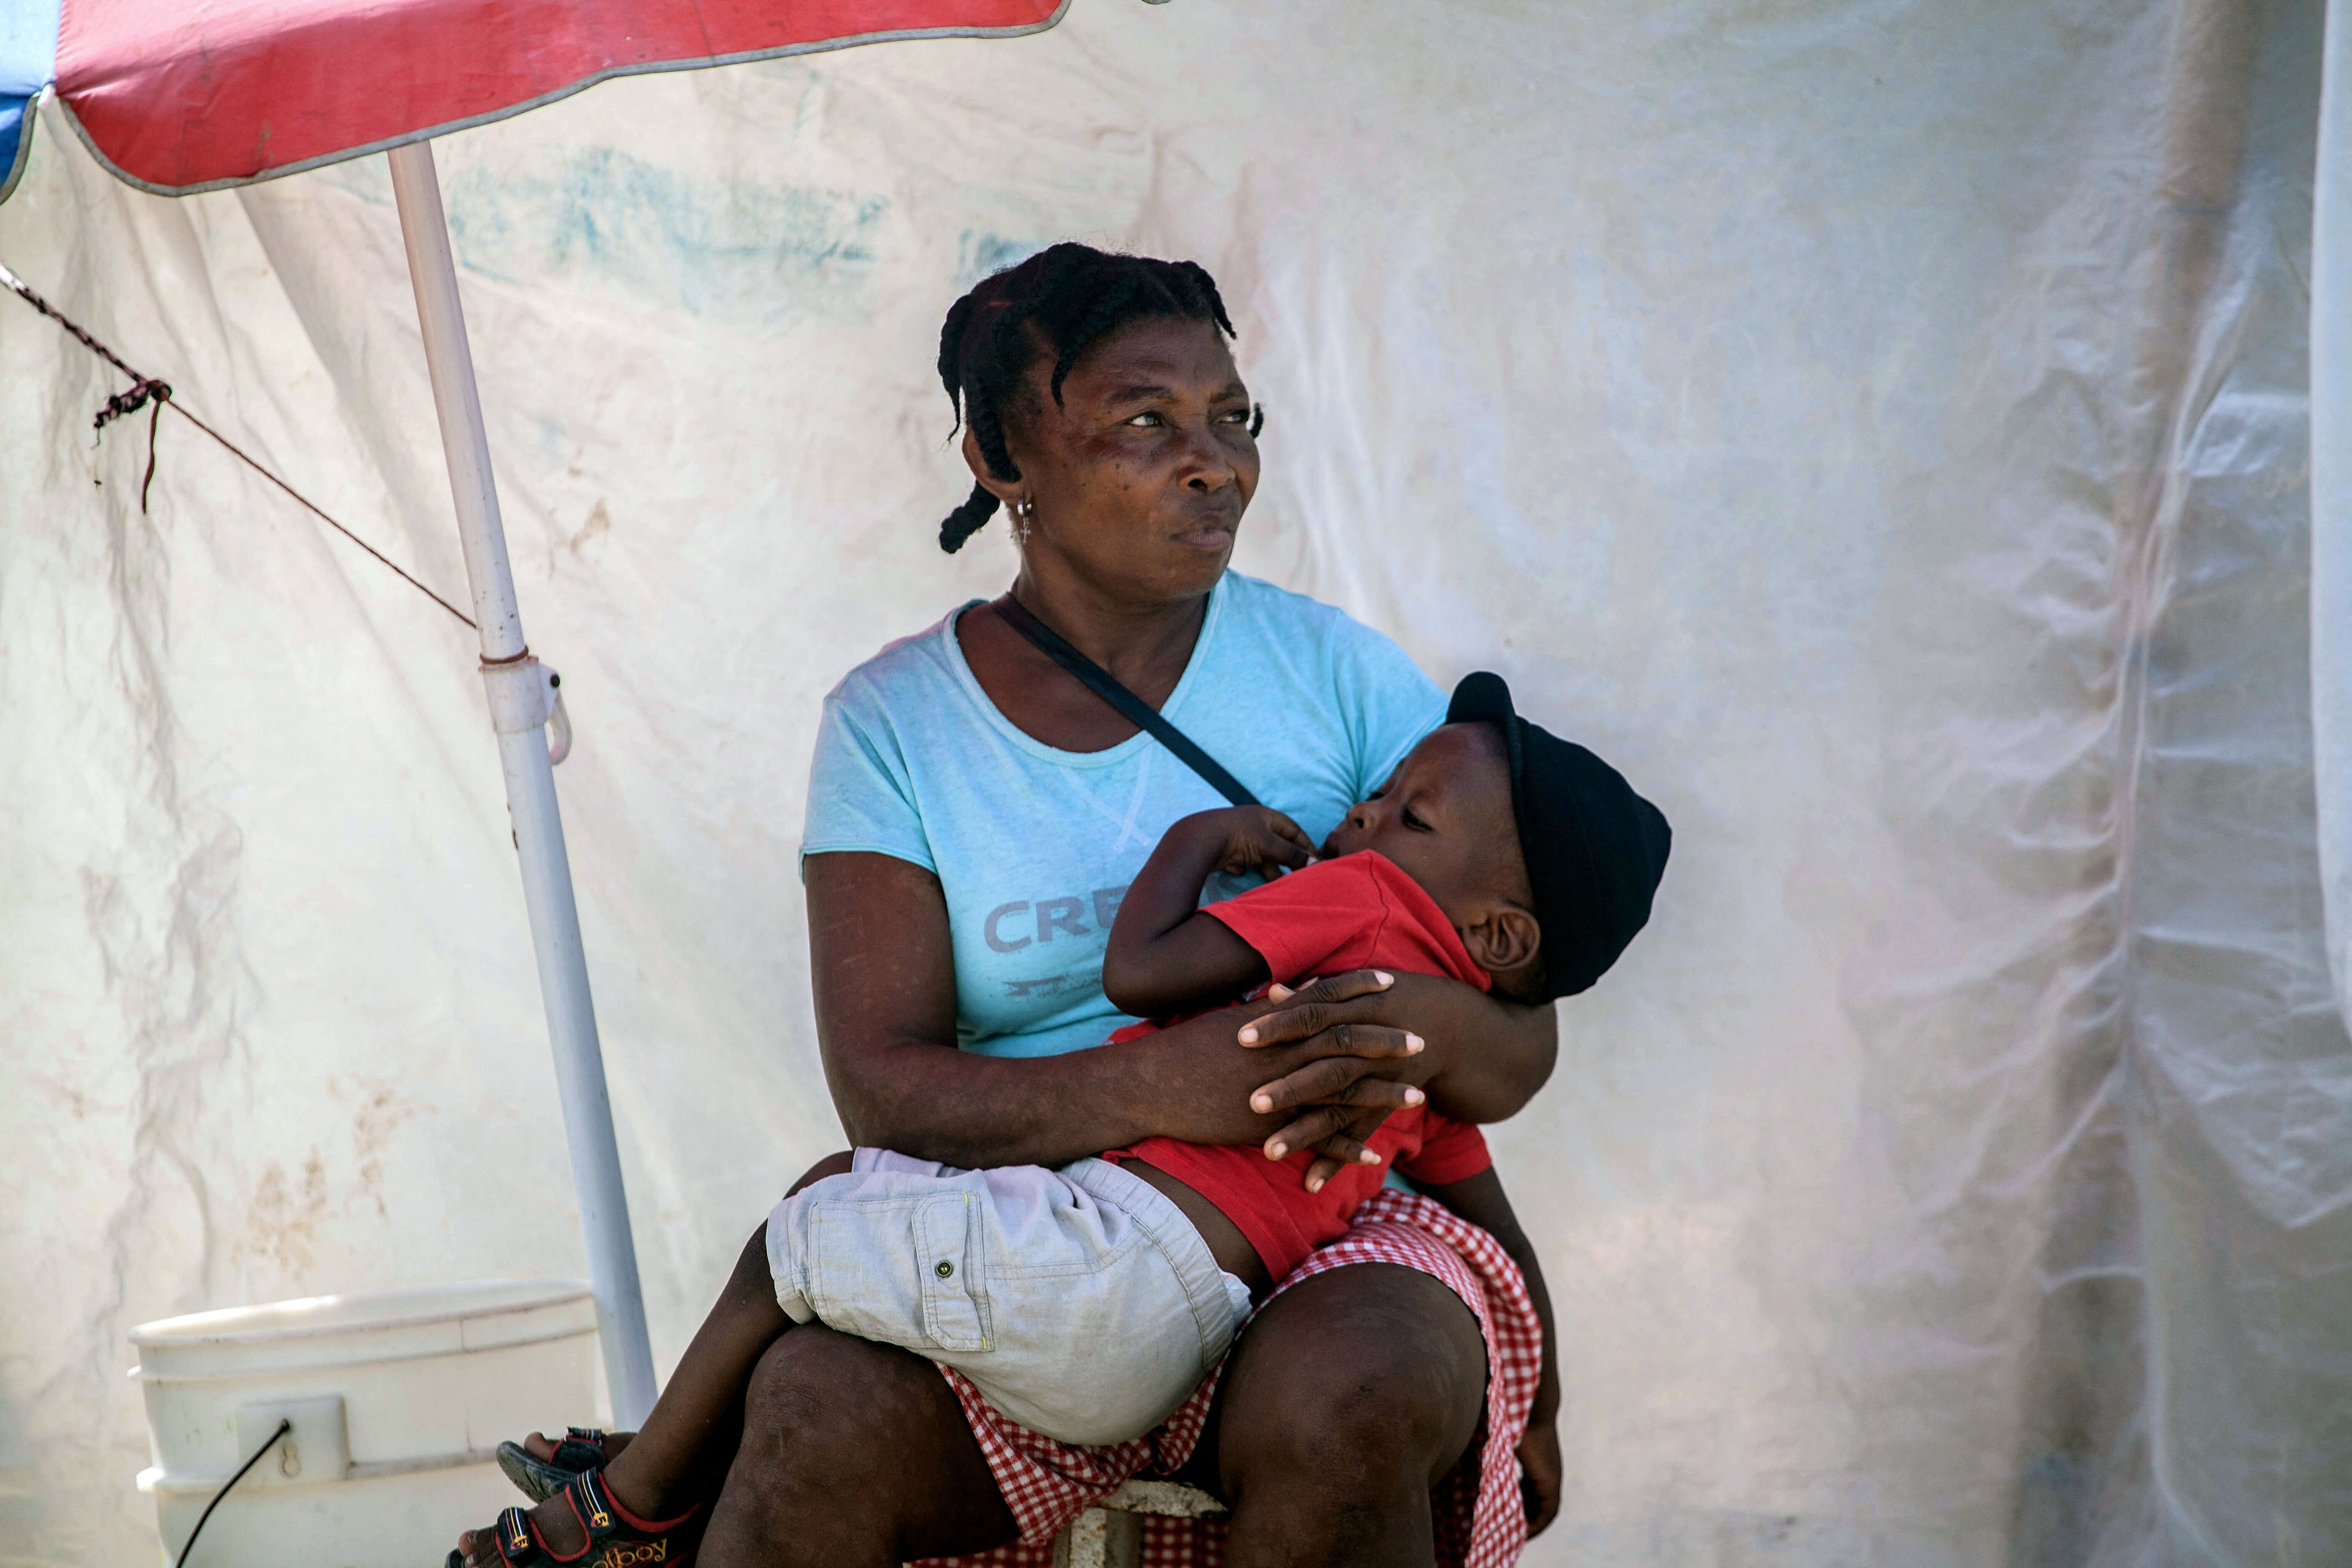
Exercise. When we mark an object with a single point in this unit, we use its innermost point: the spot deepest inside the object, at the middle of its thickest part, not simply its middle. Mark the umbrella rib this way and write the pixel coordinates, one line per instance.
(145, 388)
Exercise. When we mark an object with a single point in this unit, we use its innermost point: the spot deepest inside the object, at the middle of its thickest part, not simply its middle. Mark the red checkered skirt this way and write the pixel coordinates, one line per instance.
(1475, 1509)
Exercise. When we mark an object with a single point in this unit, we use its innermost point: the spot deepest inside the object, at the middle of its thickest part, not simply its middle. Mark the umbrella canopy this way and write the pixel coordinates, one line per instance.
(176, 96)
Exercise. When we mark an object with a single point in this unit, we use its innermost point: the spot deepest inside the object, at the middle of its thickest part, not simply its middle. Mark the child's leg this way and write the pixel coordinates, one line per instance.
(689, 1439)
(682, 1454)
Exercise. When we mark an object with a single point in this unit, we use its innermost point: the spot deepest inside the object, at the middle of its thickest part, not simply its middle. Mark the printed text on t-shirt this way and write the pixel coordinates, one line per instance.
(1011, 927)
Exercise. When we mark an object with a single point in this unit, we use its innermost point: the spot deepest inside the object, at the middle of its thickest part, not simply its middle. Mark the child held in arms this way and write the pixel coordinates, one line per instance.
(1088, 1302)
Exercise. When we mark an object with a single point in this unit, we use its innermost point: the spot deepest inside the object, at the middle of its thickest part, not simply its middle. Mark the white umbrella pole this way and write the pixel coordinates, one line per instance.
(521, 702)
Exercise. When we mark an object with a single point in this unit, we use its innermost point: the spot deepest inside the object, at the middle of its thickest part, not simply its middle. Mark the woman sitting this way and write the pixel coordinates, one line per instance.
(956, 927)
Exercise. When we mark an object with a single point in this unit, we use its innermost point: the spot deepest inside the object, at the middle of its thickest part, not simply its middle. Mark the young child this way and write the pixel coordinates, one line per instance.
(1088, 1302)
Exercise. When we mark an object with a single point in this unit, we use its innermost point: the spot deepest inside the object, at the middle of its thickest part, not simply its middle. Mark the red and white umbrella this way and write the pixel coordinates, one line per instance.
(179, 96)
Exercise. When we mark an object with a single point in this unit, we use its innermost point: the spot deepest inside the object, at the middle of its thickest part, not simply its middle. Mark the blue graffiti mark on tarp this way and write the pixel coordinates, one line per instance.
(720, 249)
(978, 254)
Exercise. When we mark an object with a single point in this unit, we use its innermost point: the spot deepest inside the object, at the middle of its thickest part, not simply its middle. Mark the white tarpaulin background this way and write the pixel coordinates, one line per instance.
(1881, 428)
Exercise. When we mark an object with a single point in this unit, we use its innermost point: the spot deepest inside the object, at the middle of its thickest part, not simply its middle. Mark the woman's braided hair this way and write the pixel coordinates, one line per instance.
(1071, 295)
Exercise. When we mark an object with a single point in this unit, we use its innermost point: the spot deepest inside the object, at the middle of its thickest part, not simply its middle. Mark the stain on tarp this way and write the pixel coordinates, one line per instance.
(721, 249)
(980, 253)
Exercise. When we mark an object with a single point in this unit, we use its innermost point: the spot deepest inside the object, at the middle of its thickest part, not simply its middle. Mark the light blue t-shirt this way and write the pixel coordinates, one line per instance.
(1035, 847)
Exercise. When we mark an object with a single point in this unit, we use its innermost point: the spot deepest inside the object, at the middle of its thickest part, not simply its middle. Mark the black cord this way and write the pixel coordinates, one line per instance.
(151, 392)
(284, 1426)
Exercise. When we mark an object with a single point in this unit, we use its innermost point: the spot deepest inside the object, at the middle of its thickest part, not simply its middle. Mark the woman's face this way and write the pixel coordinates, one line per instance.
(1140, 476)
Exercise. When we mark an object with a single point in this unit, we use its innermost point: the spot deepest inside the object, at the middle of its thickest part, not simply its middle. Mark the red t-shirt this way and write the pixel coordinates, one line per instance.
(1358, 911)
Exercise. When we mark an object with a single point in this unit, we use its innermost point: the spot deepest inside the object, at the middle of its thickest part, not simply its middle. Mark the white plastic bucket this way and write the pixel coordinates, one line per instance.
(399, 1400)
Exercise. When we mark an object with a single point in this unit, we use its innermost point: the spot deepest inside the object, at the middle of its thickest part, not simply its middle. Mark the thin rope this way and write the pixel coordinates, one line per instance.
(146, 392)
(305, 502)
(26, 293)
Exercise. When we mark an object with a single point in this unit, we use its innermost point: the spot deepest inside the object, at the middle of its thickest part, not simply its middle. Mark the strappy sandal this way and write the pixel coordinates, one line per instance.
(616, 1538)
(582, 1450)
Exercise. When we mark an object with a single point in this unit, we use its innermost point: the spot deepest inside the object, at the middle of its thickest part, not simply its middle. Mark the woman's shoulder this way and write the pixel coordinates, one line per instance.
(1260, 600)
(918, 667)
(1309, 634)
(1293, 617)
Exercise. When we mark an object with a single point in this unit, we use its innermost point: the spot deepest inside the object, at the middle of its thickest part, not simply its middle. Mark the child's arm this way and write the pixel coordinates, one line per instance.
(1480, 1201)
(1165, 956)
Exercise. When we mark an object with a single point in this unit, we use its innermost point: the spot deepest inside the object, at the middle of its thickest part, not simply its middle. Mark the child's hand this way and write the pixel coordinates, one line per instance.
(1253, 838)
(1539, 1475)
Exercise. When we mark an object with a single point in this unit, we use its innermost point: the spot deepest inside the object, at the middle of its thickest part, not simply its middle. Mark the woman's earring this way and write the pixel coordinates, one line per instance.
(1022, 510)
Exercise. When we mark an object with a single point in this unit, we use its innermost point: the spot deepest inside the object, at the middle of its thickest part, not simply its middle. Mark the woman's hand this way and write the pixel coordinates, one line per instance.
(1349, 1101)
(1343, 1102)
(1388, 1041)
(1338, 1129)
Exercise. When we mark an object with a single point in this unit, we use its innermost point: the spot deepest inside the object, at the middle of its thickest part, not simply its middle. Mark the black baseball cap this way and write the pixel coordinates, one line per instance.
(1595, 850)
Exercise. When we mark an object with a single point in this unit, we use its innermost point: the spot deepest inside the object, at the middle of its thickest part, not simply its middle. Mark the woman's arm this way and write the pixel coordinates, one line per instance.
(883, 971)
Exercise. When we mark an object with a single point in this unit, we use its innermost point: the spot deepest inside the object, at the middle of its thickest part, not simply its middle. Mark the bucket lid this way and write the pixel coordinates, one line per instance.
(348, 1330)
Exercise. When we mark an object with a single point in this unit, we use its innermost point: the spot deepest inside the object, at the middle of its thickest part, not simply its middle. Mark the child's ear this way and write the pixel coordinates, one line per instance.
(1507, 938)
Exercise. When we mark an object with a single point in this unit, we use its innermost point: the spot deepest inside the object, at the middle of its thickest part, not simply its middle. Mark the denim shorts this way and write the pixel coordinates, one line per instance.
(1080, 1302)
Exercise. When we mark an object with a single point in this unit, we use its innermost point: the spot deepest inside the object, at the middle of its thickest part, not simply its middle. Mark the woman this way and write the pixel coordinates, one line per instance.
(974, 813)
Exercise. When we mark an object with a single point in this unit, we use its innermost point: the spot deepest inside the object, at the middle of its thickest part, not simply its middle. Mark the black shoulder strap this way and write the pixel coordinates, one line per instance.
(1137, 712)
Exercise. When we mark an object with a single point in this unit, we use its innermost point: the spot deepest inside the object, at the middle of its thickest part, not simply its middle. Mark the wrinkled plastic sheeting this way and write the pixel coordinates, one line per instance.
(1882, 431)
(2331, 497)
